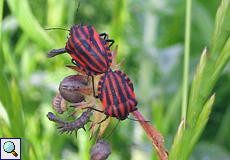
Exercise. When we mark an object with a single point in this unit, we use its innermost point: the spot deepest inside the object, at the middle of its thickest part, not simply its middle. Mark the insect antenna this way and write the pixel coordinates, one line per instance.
(95, 109)
(136, 120)
(113, 130)
(47, 29)
(77, 11)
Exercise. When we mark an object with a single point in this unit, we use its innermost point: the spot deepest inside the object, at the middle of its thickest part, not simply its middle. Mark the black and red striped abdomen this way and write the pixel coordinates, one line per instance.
(116, 93)
(91, 53)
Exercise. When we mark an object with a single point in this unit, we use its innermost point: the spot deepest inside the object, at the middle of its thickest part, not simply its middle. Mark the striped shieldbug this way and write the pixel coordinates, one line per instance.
(116, 92)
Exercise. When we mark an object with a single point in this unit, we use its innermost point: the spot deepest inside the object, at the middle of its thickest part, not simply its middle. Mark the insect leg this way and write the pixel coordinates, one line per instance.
(55, 52)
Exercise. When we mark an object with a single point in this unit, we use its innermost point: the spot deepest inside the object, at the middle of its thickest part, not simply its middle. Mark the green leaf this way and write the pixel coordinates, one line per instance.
(15, 113)
(221, 29)
(201, 123)
(203, 82)
(196, 83)
(174, 151)
(1, 14)
(29, 24)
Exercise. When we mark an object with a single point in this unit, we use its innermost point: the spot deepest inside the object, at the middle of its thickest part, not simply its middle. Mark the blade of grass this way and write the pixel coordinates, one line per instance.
(9, 57)
(1, 15)
(4, 87)
(16, 117)
(201, 122)
(120, 17)
(29, 24)
(210, 73)
(174, 148)
(221, 29)
(186, 59)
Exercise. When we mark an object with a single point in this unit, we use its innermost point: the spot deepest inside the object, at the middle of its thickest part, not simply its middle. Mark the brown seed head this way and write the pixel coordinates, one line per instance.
(74, 88)
(100, 151)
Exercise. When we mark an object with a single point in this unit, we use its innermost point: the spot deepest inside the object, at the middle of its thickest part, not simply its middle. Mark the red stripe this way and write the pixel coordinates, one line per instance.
(85, 61)
(123, 90)
(90, 55)
(113, 105)
(97, 38)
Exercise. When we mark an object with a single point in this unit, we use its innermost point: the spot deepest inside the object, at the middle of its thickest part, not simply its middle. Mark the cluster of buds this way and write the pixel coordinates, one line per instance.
(78, 90)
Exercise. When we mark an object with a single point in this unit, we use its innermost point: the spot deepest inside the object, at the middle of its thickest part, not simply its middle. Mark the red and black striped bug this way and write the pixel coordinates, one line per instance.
(116, 93)
(89, 50)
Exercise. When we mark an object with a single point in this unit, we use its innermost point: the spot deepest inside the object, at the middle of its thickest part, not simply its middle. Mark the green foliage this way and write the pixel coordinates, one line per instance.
(206, 75)
(150, 36)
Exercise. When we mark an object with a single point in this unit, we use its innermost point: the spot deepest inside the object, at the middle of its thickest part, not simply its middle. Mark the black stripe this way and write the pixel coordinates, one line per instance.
(127, 92)
(99, 89)
(91, 31)
(79, 37)
(113, 112)
(88, 47)
(108, 100)
(121, 95)
(93, 55)
(70, 46)
(88, 59)
(102, 87)
(135, 101)
(128, 80)
(82, 29)
(130, 107)
(95, 43)
(126, 113)
(104, 54)
(106, 110)
(109, 103)
(72, 51)
(110, 79)
(120, 86)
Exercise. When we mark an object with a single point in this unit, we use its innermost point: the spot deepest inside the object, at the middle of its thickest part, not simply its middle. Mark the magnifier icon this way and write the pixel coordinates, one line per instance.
(9, 147)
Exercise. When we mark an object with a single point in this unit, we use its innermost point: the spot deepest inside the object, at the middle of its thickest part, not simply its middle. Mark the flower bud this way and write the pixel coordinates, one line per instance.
(100, 151)
(59, 103)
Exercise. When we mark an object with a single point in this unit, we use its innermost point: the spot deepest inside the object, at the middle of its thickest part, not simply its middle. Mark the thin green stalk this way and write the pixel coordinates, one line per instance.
(1, 55)
(207, 73)
(1, 15)
(186, 59)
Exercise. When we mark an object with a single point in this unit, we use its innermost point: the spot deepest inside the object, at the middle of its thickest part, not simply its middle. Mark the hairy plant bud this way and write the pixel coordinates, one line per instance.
(74, 88)
(71, 126)
(100, 151)
(59, 103)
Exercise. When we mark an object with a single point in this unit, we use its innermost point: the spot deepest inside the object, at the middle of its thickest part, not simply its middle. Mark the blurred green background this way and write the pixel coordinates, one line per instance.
(150, 36)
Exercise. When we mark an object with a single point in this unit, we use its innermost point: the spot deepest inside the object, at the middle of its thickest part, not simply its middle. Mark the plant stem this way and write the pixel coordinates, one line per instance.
(186, 59)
